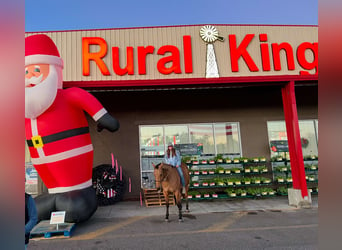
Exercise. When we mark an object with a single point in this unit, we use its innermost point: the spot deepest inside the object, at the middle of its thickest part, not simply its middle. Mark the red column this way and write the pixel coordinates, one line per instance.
(293, 138)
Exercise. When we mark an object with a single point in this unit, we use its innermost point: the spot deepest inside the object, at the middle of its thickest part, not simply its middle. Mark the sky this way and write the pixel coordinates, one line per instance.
(45, 15)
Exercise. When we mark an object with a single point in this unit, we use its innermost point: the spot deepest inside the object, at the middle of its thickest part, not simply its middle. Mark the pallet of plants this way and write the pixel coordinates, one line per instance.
(280, 179)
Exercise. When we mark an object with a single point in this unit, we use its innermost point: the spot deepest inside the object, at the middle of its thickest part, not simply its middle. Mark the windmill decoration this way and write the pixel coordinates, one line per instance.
(209, 34)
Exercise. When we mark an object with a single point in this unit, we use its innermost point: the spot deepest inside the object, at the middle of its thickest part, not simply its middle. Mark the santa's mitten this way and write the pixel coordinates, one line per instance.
(108, 122)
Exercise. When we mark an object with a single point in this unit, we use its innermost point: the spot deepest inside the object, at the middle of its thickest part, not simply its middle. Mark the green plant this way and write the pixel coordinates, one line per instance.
(218, 158)
(186, 159)
(230, 191)
(246, 180)
(230, 181)
(219, 170)
(282, 190)
(219, 181)
(236, 169)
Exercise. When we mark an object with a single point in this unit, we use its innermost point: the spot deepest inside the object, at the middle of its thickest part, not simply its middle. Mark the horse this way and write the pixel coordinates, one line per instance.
(167, 178)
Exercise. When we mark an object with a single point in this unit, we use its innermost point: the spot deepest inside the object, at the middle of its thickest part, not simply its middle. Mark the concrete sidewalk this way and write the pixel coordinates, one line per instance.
(126, 209)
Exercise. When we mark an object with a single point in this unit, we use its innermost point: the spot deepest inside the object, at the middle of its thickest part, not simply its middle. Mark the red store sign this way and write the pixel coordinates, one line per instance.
(172, 55)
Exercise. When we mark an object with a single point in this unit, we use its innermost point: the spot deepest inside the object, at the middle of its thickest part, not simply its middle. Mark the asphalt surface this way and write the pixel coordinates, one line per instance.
(238, 224)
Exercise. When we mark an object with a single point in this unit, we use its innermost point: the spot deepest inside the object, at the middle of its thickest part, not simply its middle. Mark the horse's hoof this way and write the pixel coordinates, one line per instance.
(187, 211)
(166, 220)
(180, 220)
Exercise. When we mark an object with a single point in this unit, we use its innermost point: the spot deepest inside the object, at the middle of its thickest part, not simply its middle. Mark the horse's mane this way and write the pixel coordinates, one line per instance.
(164, 164)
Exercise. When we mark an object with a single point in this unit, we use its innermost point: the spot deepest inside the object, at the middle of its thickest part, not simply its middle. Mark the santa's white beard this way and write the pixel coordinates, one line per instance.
(40, 97)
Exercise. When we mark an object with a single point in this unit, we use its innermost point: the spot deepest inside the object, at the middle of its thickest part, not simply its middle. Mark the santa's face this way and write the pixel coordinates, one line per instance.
(41, 81)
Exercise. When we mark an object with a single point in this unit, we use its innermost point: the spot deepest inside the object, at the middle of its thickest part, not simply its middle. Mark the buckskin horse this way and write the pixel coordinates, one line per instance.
(167, 178)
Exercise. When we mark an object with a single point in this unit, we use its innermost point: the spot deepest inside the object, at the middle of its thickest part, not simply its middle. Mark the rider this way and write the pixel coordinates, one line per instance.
(173, 158)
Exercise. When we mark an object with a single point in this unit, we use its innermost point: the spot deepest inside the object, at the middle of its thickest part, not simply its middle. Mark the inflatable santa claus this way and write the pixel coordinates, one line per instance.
(57, 133)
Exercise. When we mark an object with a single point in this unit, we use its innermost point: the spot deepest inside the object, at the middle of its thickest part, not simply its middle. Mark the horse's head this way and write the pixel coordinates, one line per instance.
(159, 174)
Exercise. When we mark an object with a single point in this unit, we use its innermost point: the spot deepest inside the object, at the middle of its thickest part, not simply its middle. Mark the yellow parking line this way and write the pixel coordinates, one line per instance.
(221, 226)
(104, 230)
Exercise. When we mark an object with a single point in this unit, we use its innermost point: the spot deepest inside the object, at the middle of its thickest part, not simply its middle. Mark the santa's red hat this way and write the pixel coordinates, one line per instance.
(40, 49)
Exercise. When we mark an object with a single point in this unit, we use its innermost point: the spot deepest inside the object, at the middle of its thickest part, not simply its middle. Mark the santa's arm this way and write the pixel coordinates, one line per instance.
(94, 108)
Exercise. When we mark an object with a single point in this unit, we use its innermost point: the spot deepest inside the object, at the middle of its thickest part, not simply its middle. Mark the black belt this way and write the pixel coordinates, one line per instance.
(39, 141)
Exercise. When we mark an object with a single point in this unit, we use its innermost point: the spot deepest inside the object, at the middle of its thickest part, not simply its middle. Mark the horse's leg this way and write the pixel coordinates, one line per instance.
(186, 198)
(166, 195)
(178, 196)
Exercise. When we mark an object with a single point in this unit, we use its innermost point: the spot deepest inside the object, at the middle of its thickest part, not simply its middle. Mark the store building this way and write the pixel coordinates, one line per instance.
(223, 86)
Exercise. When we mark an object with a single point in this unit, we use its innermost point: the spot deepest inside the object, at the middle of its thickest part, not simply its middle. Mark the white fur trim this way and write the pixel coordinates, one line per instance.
(72, 188)
(63, 155)
(44, 59)
(99, 114)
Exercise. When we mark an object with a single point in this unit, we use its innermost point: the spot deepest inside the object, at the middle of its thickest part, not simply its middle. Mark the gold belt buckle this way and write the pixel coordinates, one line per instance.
(37, 141)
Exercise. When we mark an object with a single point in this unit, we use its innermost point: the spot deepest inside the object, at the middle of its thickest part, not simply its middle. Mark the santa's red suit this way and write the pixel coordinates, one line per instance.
(57, 133)
(60, 143)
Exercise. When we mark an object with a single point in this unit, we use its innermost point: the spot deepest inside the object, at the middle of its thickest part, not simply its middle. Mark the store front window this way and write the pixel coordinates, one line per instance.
(278, 138)
(213, 138)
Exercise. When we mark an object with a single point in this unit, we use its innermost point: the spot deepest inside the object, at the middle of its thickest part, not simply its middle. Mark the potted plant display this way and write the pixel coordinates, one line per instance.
(289, 179)
(244, 159)
(246, 180)
(280, 179)
(265, 180)
(191, 194)
(205, 184)
(231, 192)
(220, 170)
(204, 171)
(219, 158)
(219, 182)
(313, 167)
(198, 195)
(211, 171)
(227, 171)
(203, 161)
(263, 169)
(311, 178)
(214, 195)
(212, 161)
(271, 191)
(228, 160)
(256, 180)
(282, 190)
(247, 169)
(186, 159)
(237, 170)
(230, 181)
(237, 181)
(236, 160)
(212, 183)
(262, 159)
(195, 184)
(195, 162)
(255, 169)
